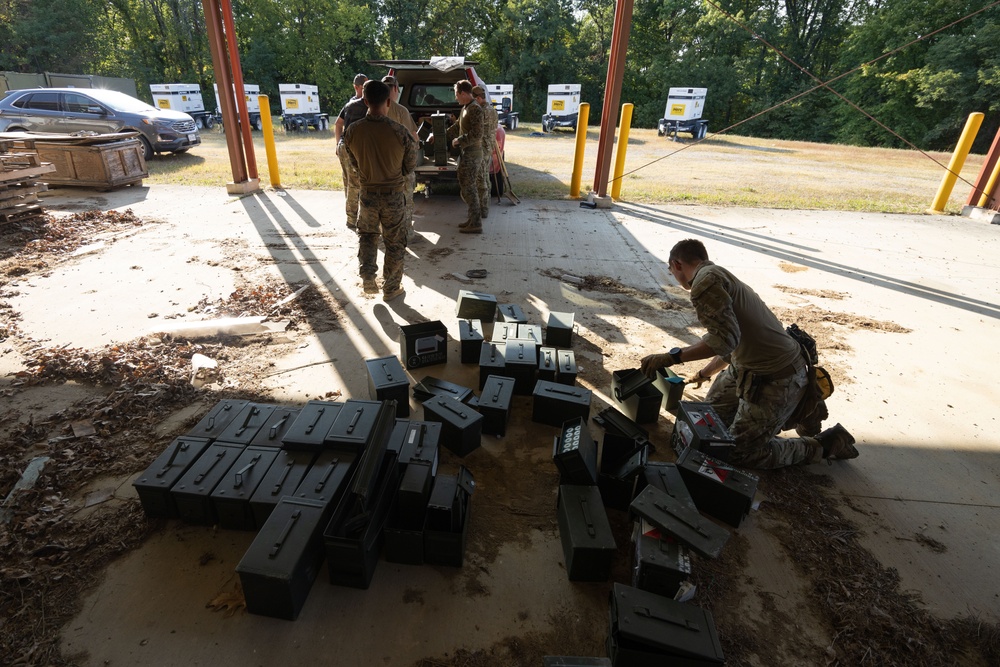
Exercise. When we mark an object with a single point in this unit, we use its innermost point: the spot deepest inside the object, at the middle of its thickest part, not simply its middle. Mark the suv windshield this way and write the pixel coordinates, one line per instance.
(119, 101)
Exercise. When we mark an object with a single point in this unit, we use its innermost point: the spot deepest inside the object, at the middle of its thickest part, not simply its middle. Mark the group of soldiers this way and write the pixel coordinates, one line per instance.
(377, 147)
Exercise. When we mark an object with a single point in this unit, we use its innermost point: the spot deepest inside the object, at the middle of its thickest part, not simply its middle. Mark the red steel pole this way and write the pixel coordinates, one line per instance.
(612, 93)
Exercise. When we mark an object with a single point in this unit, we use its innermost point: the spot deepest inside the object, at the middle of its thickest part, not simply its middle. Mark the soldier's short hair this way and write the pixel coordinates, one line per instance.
(375, 93)
(464, 86)
(689, 251)
(478, 91)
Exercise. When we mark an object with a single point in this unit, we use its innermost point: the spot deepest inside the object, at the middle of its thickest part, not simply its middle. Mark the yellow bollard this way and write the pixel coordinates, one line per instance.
(624, 125)
(272, 154)
(991, 186)
(957, 161)
(581, 142)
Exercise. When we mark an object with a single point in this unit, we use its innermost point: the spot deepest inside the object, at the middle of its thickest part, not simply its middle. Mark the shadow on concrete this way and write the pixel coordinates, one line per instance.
(786, 251)
(78, 200)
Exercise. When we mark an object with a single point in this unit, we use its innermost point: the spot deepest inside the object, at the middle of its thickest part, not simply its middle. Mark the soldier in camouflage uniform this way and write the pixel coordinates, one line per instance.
(765, 372)
(467, 134)
(492, 122)
(398, 113)
(384, 153)
(352, 112)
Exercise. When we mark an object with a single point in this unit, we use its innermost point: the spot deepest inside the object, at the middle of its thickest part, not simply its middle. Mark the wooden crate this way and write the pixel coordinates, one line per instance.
(104, 166)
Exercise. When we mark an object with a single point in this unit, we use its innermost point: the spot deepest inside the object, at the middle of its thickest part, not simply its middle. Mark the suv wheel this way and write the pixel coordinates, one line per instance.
(147, 148)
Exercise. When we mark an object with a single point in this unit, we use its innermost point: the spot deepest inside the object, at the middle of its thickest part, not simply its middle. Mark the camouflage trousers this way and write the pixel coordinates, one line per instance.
(757, 415)
(484, 183)
(352, 187)
(411, 183)
(382, 214)
(469, 182)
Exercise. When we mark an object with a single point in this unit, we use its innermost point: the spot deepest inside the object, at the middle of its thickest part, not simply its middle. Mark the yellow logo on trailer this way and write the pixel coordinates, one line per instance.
(163, 103)
(558, 105)
(677, 109)
(292, 103)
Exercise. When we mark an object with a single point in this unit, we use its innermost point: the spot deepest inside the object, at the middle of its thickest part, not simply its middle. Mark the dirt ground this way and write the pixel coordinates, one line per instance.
(798, 583)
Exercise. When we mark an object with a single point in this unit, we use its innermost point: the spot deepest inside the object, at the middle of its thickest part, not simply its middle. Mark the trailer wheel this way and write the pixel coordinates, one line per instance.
(209, 122)
(513, 123)
(199, 122)
(258, 124)
(702, 130)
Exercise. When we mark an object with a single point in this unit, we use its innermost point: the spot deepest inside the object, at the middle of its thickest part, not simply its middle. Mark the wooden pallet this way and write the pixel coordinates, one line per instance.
(20, 212)
(21, 190)
(28, 174)
(15, 161)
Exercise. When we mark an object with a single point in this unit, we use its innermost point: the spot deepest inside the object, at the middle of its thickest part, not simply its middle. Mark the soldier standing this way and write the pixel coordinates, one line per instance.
(384, 153)
(399, 113)
(467, 134)
(491, 123)
(353, 111)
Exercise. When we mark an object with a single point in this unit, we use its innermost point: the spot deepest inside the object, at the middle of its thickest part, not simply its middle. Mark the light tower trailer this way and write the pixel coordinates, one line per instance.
(251, 93)
(562, 107)
(184, 97)
(502, 99)
(683, 113)
(300, 107)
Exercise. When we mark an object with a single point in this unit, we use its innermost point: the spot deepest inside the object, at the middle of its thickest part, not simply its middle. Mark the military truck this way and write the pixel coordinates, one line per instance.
(427, 90)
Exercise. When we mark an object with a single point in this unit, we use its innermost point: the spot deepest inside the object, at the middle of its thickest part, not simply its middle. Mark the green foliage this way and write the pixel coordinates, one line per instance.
(924, 92)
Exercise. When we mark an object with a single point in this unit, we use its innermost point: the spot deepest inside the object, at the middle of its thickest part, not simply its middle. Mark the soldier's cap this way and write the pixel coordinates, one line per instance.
(359, 79)
(478, 91)
(390, 81)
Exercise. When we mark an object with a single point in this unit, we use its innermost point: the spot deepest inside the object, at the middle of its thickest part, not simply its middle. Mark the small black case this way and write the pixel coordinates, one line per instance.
(575, 454)
(559, 330)
(388, 381)
(217, 419)
(461, 426)
(585, 532)
(470, 335)
(278, 570)
(153, 485)
(311, 425)
(491, 361)
(231, 496)
(494, 404)
(554, 403)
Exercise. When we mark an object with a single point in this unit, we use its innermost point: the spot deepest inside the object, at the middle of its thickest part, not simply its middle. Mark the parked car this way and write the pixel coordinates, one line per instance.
(69, 110)
(427, 87)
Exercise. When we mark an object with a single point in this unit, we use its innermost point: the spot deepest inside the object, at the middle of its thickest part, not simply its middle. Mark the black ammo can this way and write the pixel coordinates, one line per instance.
(279, 568)
(588, 544)
(153, 486)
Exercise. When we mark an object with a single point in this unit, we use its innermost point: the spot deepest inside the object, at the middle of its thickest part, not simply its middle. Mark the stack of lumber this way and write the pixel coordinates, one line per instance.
(19, 185)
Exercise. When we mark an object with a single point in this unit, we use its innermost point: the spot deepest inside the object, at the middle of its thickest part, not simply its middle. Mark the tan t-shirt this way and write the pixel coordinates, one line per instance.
(398, 113)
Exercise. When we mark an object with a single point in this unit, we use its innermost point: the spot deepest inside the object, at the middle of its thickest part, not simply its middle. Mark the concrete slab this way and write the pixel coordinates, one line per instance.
(922, 404)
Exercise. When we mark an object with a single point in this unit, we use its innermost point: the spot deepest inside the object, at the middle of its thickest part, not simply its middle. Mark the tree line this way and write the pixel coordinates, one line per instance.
(758, 58)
